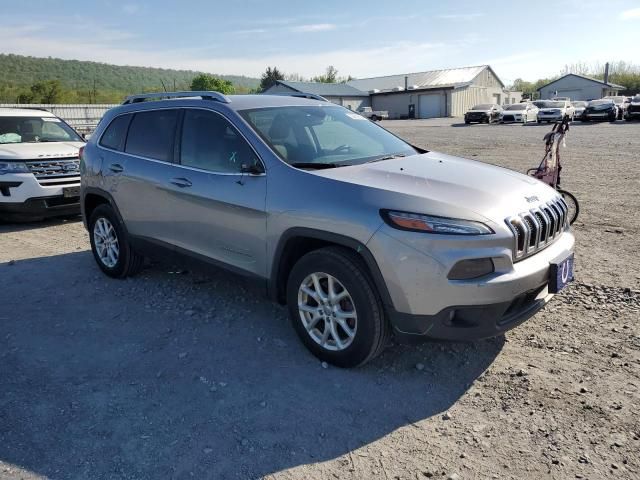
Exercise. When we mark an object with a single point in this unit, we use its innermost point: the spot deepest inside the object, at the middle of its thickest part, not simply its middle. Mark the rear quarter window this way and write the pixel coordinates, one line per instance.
(116, 133)
(152, 134)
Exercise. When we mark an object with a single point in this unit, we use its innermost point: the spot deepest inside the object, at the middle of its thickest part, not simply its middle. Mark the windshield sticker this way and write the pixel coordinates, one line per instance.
(355, 116)
(51, 119)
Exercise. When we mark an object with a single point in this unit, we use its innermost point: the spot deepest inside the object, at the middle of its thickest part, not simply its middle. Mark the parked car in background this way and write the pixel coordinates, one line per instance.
(620, 101)
(330, 213)
(633, 109)
(373, 115)
(39, 165)
(603, 110)
(519, 113)
(554, 110)
(578, 109)
(483, 113)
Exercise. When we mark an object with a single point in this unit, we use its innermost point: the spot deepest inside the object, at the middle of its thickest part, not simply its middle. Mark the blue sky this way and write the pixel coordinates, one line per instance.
(360, 38)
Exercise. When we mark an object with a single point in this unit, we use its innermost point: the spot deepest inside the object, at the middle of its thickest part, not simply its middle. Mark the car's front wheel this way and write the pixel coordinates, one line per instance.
(335, 308)
(110, 244)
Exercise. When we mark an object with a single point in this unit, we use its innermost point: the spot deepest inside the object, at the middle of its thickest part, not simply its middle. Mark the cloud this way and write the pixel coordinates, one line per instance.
(631, 14)
(460, 16)
(130, 8)
(313, 27)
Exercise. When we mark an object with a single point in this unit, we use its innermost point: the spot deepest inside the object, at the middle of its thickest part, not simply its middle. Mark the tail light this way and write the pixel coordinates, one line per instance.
(80, 153)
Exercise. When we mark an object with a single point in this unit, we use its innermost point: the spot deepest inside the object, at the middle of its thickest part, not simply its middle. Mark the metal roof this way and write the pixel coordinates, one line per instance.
(325, 89)
(606, 84)
(456, 77)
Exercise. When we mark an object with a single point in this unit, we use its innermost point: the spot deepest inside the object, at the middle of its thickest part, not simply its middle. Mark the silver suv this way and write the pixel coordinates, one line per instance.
(357, 231)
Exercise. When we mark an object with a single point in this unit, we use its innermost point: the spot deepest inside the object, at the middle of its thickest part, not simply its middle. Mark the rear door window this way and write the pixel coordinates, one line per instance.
(116, 133)
(151, 134)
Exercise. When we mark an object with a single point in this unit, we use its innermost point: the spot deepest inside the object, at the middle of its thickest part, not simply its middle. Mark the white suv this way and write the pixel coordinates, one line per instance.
(39, 165)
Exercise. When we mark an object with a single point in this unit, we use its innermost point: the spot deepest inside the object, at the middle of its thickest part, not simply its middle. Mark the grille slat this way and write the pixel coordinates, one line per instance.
(537, 228)
(55, 169)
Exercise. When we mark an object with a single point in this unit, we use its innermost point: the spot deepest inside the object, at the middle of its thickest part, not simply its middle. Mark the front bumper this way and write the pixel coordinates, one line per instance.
(21, 195)
(427, 303)
(512, 119)
(550, 118)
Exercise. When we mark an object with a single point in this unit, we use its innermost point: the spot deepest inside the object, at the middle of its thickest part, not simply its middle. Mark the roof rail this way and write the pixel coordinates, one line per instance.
(311, 96)
(205, 95)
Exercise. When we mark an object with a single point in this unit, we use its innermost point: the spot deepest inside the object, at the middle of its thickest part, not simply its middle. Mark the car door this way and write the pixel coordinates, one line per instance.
(218, 193)
(141, 171)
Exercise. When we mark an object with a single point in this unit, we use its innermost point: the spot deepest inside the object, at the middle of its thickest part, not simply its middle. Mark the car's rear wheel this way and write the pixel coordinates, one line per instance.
(335, 308)
(374, 118)
(110, 244)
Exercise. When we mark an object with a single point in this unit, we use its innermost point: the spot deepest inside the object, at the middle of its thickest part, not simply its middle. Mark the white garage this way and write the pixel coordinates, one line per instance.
(578, 87)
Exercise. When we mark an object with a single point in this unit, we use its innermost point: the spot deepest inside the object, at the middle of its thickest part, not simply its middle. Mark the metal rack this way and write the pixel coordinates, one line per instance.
(205, 95)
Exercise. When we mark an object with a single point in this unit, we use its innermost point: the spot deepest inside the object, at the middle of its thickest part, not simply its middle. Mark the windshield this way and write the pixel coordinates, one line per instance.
(549, 104)
(636, 99)
(35, 129)
(595, 103)
(615, 99)
(482, 107)
(579, 104)
(324, 136)
(517, 106)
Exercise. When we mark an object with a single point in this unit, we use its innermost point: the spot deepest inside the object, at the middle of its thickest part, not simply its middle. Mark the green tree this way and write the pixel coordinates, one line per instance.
(204, 82)
(270, 77)
(49, 91)
(330, 76)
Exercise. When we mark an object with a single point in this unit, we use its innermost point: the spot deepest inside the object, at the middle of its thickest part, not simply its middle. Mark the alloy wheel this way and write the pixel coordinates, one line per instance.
(106, 242)
(327, 311)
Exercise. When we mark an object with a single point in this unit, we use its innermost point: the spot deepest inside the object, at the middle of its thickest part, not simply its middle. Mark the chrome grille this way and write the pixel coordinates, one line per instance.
(59, 171)
(537, 228)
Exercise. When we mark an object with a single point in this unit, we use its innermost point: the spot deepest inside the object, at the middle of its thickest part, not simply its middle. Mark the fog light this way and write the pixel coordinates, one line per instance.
(468, 269)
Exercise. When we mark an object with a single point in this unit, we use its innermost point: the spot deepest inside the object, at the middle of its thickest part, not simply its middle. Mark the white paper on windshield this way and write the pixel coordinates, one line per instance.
(355, 116)
(51, 119)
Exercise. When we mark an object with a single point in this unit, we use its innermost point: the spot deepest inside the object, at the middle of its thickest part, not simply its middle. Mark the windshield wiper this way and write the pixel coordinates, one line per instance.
(318, 165)
(387, 157)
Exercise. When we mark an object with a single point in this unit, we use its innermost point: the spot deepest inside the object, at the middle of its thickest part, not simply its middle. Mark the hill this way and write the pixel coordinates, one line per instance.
(19, 72)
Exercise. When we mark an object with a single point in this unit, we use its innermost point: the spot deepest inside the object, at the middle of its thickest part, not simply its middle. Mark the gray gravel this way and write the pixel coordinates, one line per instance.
(187, 372)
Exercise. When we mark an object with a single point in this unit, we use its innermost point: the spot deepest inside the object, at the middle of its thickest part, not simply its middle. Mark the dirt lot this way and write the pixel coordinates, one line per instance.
(194, 374)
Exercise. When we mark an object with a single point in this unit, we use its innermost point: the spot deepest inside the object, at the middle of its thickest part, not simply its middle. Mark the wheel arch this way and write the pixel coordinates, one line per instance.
(297, 242)
(91, 199)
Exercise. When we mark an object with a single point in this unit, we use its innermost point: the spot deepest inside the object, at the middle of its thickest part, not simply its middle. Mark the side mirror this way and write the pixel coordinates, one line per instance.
(253, 169)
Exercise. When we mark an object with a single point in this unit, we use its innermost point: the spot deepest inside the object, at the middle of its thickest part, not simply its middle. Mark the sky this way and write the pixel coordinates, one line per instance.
(362, 38)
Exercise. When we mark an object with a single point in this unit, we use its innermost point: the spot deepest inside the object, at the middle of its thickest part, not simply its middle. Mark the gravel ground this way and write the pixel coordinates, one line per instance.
(184, 372)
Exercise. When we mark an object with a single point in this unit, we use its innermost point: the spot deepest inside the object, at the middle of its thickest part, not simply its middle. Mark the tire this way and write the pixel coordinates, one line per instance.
(572, 203)
(369, 326)
(374, 118)
(127, 261)
(467, 122)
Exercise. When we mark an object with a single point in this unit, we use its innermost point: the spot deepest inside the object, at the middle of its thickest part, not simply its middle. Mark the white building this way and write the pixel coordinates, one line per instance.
(436, 93)
(578, 87)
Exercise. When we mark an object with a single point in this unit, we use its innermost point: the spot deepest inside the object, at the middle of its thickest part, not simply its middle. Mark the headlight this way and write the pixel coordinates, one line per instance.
(13, 167)
(416, 222)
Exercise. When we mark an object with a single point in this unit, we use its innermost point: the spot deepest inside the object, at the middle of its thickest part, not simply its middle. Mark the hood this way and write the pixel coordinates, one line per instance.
(39, 151)
(552, 109)
(440, 184)
(479, 111)
(512, 112)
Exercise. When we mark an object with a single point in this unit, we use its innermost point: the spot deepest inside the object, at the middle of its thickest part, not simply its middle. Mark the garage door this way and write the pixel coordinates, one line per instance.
(429, 106)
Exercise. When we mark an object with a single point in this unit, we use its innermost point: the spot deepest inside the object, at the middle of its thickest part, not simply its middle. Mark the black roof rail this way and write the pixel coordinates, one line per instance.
(205, 95)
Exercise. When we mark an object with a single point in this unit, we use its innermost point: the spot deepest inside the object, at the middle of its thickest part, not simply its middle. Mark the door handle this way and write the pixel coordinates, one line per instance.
(181, 182)
(116, 168)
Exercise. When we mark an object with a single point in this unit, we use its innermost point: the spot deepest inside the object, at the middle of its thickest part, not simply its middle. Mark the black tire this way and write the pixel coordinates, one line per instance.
(572, 203)
(467, 122)
(372, 329)
(129, 261)
(374, 118)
